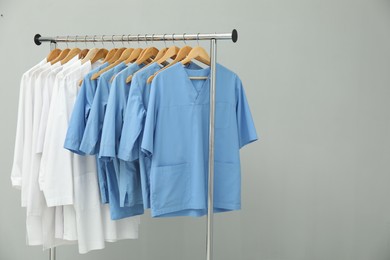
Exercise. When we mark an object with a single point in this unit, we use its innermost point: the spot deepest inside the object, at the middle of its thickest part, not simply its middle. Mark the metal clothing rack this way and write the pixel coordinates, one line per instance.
(212, 37)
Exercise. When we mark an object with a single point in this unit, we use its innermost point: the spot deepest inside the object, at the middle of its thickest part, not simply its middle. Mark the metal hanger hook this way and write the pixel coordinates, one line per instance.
(173, 39)
(184, 39)
(138, 40)
(197, 38)
(112, 40)
(146, 42)
(103, 40)
(128, 39)
(152, 38)
(94, 40)
(164, 40)
(123, 44)
(85, 41)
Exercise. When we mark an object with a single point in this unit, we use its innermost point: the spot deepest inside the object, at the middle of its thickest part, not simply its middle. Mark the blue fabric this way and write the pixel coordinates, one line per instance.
(176, 136)
(132, 131)
(91, 137)
(79, 118)
(91, 144)
(129, 193)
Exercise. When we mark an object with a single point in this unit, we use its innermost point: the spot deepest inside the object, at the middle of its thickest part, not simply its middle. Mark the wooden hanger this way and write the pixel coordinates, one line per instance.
(72, 53)
(83, 53)
(117, 55)
(100, 54)
(53, 54)
(198, 53)
(182, 54)
(94, 55)
(124, 54)
(110, 54)
(62, 55)
(169, 54)
(134, 55)
(89, 55)
(158, 56)
(149, 53)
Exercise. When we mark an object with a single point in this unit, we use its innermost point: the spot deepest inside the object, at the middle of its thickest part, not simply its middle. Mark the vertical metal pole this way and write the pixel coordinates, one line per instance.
(52, 254)
(210, 201)
(52, 251)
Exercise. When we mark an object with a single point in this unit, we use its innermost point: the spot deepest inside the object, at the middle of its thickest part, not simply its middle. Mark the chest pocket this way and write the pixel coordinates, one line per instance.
(223, 114)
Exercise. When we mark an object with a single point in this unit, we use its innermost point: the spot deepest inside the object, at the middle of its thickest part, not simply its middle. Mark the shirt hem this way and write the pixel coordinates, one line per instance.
(59, 201)
(218, 207)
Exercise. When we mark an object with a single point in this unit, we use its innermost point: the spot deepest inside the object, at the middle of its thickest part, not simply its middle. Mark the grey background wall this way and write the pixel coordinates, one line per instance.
(317, 76)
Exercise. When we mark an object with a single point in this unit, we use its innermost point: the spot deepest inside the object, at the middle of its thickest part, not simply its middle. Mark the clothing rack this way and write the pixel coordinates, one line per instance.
(212, 37)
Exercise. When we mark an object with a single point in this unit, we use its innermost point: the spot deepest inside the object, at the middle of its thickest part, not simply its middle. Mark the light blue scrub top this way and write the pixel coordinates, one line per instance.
(126, 176)
(132, 131)
(90, 143)
(176, 136)
(79, 118)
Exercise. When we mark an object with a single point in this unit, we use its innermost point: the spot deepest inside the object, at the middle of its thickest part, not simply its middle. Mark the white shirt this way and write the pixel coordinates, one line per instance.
(16, 174)
(68, 181)
(52, 217)
(35, 203)
(35, 199)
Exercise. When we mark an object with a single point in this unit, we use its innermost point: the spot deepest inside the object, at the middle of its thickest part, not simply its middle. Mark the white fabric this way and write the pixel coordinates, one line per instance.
(60, 189)
(36, 205)
(55, 172)
(35, 198)
(16, 174)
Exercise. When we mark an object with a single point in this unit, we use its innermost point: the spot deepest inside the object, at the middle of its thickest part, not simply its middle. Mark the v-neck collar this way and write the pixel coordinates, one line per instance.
(195, 73)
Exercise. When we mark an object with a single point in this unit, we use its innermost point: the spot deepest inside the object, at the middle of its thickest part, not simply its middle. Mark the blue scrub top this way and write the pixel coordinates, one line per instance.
(79, 120)
(126, 173)
(176, 138)
(91, 136)
(91, 142)
(132, 131)
(80, 114)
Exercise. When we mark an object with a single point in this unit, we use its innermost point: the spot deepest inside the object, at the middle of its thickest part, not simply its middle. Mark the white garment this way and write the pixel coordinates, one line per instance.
(68, 181)
(56, 165)
(54, 78)
(47, 94)
(35, 199)
(94, 224)
(52, 217)
(16, 174)
(23, 147)
(37, 228)
(55, 172)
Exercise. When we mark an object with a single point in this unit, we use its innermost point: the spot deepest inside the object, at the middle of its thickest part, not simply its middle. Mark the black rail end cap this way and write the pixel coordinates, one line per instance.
(36, 39)
(234, 35)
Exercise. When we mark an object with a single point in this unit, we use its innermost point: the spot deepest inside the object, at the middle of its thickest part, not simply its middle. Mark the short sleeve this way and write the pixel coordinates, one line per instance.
(77, 122)
(112, 121)
(133, 122)
(147, 143)
(91, 137)
(246, 128)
